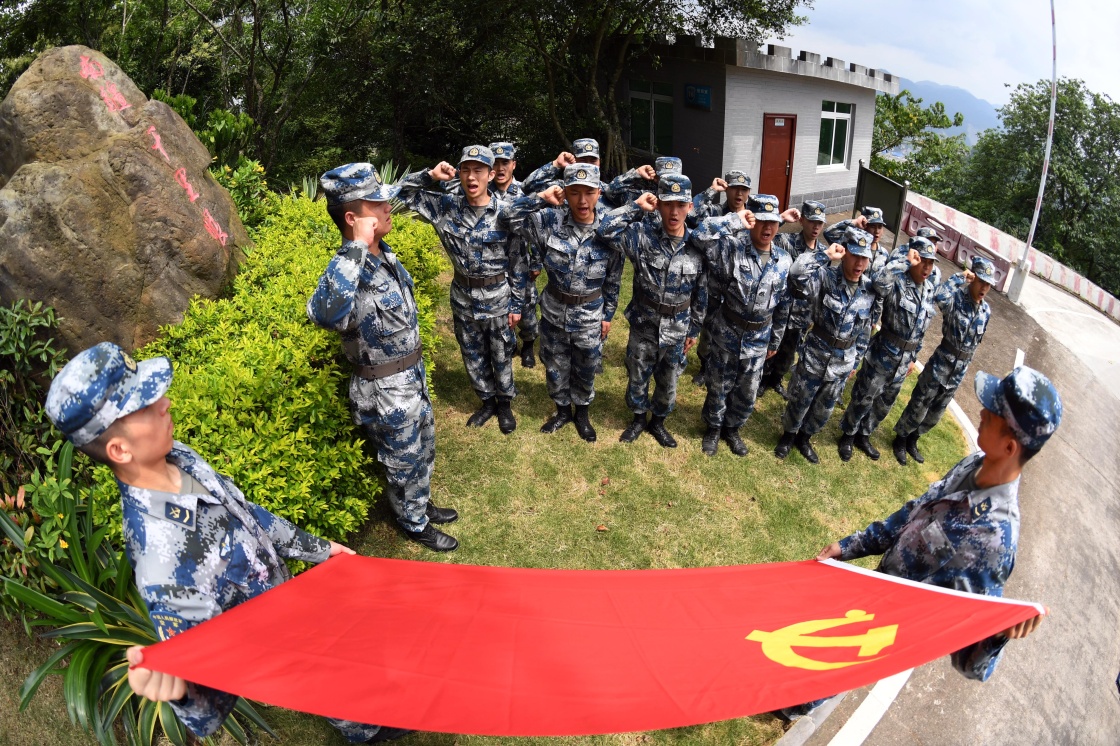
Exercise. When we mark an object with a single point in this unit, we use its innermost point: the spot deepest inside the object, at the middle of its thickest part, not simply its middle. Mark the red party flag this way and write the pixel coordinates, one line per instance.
(507, 651)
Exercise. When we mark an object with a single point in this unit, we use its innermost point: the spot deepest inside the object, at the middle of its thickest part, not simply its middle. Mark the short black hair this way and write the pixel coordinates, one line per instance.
(95, 449)
(1026, 454)
(338, 212)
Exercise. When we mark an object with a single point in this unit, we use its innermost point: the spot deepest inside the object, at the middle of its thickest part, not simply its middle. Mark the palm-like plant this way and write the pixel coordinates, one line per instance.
(97, 613)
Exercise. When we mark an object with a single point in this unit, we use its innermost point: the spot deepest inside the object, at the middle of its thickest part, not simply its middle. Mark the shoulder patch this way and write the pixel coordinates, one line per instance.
(167, 624)
(981, 508)
(178, 514)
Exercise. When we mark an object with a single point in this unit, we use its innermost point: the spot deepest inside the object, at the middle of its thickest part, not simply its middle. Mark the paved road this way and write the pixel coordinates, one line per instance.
(1057, 686)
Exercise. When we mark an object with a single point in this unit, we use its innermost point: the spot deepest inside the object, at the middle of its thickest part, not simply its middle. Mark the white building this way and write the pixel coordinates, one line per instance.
(798, 127)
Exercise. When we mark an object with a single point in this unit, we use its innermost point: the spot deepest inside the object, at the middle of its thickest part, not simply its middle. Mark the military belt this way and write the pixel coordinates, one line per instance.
(831, 341)
(479, 282)
(900, 342)
(956, 352)
(665, 309)
(569, 299)
(384, 370)
(743, 324)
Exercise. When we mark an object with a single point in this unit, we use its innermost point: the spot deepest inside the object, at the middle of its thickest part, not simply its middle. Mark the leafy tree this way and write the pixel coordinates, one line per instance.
(905, 145)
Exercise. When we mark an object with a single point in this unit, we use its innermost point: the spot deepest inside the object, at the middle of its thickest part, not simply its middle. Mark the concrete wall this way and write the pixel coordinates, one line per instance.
(752, 92)
(697, 134)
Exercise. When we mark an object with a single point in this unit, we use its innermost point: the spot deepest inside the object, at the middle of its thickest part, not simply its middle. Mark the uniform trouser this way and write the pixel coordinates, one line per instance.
(811, 401)
(704, 343)
(529, 328)
(487, 348)
(645, 359)
(395, 414)
(873, 395)
(777, 367)
(927, 404)
(732, 384)
(570, 361)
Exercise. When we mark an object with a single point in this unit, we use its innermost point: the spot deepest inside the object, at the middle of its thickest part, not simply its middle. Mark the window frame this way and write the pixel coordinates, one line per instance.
(653, 92)
(833, 115)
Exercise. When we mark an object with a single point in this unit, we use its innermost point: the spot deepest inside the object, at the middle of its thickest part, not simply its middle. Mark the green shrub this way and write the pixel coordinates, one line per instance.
(261, 392)
(248, 187)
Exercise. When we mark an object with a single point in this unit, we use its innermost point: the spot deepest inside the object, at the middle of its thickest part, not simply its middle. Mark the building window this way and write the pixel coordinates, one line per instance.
(836, 126)
(651, 116)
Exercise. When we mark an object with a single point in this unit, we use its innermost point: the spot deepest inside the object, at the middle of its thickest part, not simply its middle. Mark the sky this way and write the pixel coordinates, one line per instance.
(978, 45)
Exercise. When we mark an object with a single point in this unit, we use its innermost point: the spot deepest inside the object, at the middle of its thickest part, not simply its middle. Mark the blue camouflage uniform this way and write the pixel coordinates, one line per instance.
(841, 314)
(629, 186)
(368, 297)
(752, 317)
(907, 312)
(584, 278)
(707, 203)
(530, 324)
(490, 276)
(196, 553)
(880, 255)
(963, 325)
(670, 298)
(800, 309)
(548, 175)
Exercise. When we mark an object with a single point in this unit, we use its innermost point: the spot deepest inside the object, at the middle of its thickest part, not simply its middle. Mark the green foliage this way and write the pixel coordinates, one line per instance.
(228, 137)
(183, 106)
(903, 124)
(248, 187)
(94, 610)
(259, 390)
(29, 358)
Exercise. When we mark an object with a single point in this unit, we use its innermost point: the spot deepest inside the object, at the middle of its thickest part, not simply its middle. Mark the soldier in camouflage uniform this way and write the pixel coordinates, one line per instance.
(505, 185)
(586, 150)
(871, 220)
(965, 315)
(507, 189)
(842, 298)
(907, 312)
(963, 533)
(670, 296)
(634, 183)
(581, 297)
(737, 186)
(366, 294)
(197, 547)
(812, 217)
(750, 273)
(488, 290)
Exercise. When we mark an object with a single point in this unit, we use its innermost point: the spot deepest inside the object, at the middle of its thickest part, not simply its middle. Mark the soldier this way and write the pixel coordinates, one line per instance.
(908, 305)
(841, 299)
(488, 291)
(579, 302)
(812, 218)
(670, 296)
(634, 183)
(871, 220)
(196, 546)
(552, 174)
(965, 315)
(737, 186)
(750, 273)
(506, 188)
(366, 294)
(963, 533)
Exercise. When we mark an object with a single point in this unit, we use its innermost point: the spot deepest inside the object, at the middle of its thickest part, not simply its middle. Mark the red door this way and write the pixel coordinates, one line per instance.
(778, 134)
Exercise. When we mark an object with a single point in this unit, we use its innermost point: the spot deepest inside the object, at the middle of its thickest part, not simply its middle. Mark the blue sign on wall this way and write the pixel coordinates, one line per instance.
(698, 96)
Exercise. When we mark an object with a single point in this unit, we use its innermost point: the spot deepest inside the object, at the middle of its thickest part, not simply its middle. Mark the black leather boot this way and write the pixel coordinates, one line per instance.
(506, 421)
(784, 444)
(898, 445)
(844, 446)
(528, 359)
(710, 443)
(660, 434)
(483, 414)
(583, 424)
(562, 417)
(863, 443)
(440, 515)
(912, 448)
(735, 441)
(433, 539)
(634, 429)
(806, 448)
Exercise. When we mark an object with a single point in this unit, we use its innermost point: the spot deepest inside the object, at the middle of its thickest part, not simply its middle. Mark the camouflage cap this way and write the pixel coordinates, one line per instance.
(674, 188)
(857, 242)
(504, 150)
(586, 174)
(479, 153)
(924, 247)
(585, 147)
(1026, 400)
(984, 270)
(100, 386)
(667, 165)
(355, 181)
(764, 207)
(874, 215)
(814, 211)
(930, 234)
(737, 179)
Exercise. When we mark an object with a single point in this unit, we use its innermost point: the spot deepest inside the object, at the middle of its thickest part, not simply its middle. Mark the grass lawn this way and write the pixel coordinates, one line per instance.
(535, 500)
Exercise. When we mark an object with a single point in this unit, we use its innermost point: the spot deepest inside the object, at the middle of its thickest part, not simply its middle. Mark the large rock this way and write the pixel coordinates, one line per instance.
(96, 221)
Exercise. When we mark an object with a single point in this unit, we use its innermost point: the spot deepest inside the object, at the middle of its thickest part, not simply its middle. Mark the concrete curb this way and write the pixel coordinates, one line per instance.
(859, 726)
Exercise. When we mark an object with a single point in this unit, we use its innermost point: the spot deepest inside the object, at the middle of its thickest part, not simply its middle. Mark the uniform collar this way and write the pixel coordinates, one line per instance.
(998, 499)
(173, 507)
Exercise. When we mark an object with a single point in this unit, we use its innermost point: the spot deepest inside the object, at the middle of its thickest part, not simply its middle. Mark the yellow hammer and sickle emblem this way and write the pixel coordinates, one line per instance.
(778, 645)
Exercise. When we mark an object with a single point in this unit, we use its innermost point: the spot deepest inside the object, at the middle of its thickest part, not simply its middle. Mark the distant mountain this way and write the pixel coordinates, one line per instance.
(979, 115)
